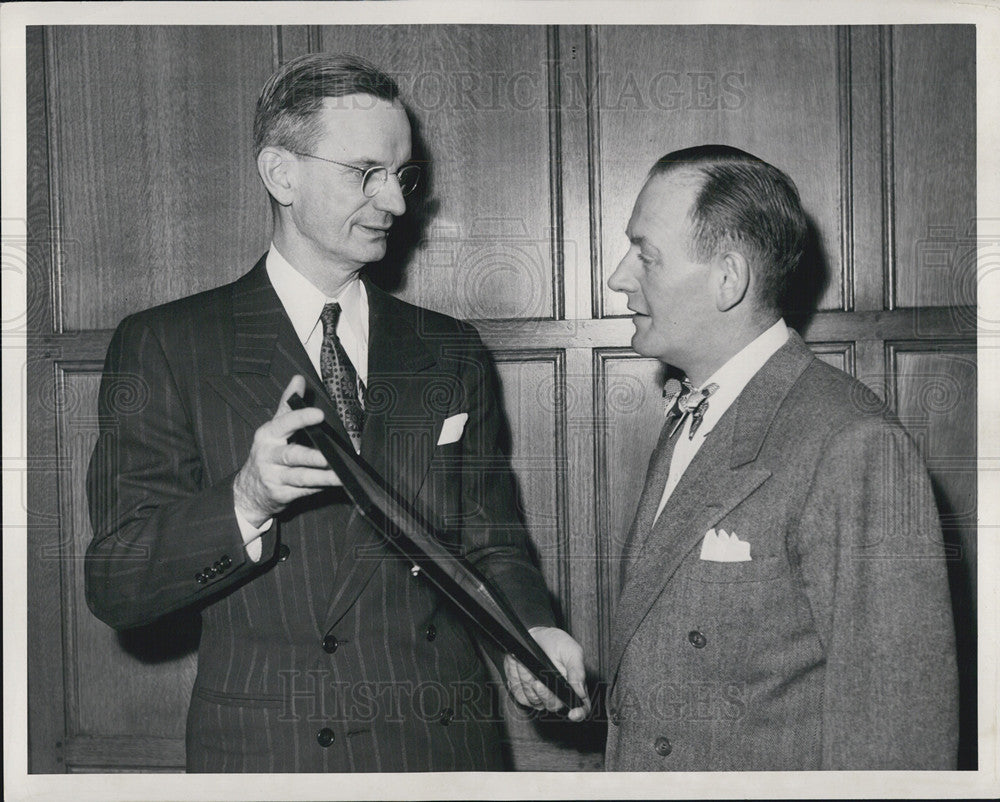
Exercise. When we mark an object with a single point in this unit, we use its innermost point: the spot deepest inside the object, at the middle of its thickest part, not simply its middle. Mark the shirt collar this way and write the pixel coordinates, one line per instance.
(304, 301)
(736, 373)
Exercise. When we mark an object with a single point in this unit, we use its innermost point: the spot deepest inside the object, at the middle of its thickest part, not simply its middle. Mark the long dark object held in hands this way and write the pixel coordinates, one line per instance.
(413, 536)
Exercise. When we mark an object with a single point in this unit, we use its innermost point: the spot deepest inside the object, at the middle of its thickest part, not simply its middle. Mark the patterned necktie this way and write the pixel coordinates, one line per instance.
(340, 377)
(682, 400)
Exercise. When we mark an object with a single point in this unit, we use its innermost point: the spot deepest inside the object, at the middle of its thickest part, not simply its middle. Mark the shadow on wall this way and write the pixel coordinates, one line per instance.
(808, 283)
(961, 573)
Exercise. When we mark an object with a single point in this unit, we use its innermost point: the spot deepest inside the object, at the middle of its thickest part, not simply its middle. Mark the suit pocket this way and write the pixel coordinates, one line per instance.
(755, 570)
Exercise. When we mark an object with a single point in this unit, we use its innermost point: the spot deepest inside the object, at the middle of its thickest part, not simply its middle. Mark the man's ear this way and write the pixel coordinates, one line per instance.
(732, 279)
(273, 165)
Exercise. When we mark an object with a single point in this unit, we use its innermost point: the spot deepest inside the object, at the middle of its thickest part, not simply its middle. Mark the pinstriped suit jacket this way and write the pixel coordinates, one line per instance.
(399, 686)
(832, 648)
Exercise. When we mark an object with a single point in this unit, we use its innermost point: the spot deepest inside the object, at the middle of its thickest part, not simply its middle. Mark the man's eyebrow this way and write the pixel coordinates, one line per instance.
(366, 162)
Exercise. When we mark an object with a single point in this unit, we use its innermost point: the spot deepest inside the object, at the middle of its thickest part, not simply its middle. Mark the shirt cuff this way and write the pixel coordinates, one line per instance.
(251, 535)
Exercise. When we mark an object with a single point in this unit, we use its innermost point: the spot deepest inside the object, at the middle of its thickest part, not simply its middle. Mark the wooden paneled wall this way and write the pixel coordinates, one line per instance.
(142, 188)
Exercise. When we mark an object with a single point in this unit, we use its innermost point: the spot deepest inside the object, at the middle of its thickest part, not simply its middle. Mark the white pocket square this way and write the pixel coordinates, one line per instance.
(452, 429)
(721, 547)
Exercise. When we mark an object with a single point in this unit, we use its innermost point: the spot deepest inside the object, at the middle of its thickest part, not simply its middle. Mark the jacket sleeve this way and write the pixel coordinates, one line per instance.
(871, 553)
(494, 537)
(162, 539)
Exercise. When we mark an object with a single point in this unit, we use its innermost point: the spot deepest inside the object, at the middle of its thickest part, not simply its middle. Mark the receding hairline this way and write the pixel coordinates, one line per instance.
(334, 100)
(688, 176)
(342, 104)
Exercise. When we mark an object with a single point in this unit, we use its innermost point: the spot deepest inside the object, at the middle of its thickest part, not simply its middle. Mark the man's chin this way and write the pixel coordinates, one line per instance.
(638, 335)
(637, 344)
(371, 252)
(643, 347)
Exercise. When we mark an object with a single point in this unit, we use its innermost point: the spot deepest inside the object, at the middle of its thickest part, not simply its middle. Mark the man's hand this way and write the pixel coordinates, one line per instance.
(567, 655)
(278, 472)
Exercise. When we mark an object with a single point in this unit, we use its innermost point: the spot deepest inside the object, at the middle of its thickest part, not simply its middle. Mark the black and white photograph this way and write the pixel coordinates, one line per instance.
(511, 400)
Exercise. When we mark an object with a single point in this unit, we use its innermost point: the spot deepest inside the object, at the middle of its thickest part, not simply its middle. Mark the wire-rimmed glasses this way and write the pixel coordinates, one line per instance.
(374, 178)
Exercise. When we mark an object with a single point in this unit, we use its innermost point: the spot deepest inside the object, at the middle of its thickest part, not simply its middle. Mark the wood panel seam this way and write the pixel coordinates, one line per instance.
(846, 116)
(888, 169)
(276, 47)
(593, 105)
(55, 197)
(555, 177)
(67, 574)
(602, 514)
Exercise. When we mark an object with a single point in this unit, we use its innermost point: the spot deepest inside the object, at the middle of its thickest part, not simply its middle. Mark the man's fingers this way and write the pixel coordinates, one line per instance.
(284, 424)
(517, 691)
(576, 675)
(580, 687)
(534, 691)
(529, 691)
(514, 684)
(521, 684)
(309, 477)
(546, 697)
(294, 456)
(296, 385)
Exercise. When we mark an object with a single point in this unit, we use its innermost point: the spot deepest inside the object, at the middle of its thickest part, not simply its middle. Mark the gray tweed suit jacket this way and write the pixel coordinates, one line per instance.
(327, 655)
(833, 647)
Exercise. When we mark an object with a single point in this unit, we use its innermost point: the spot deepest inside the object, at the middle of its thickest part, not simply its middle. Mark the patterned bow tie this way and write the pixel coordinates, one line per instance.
(682, 400)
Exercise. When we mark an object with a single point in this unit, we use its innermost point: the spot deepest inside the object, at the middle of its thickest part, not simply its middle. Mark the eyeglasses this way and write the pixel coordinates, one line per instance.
(374, 178)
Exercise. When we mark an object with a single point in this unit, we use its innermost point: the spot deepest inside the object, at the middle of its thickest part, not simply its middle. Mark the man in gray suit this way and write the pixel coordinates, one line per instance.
(320, 649)
(783, 598)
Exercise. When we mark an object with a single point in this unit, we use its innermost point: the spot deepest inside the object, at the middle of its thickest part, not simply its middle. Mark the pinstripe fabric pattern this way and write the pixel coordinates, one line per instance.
(185, 387)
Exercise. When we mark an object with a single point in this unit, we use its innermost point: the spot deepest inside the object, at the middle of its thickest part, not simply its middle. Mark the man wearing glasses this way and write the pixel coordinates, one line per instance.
(321, 650)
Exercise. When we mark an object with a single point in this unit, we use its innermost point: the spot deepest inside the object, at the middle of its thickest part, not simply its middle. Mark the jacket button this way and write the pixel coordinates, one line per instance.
(662, 747)
(616, 718)
(218, 567)
(225, 562)
(201, 577)
(431, 632)
(446, 716)
(697, 639)
(330, 644)
(283, 552)
(325, 737)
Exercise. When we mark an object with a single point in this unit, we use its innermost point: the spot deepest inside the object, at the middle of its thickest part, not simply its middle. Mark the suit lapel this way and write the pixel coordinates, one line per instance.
(656, 479)
(396, 353)
(721, 475)
(266, 354)
(394, 408)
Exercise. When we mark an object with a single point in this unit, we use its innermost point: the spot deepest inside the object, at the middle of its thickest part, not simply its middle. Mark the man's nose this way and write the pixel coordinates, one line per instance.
(621, 279)
(390, 197)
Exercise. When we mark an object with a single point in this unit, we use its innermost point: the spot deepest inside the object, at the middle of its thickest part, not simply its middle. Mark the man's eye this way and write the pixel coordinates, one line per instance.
(645, 259)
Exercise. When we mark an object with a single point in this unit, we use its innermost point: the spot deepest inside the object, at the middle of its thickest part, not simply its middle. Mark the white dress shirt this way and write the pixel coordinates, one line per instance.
(303, 303)
(732, 377)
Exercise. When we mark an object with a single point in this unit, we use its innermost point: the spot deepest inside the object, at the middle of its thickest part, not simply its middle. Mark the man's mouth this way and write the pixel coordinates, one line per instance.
(375, 230)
